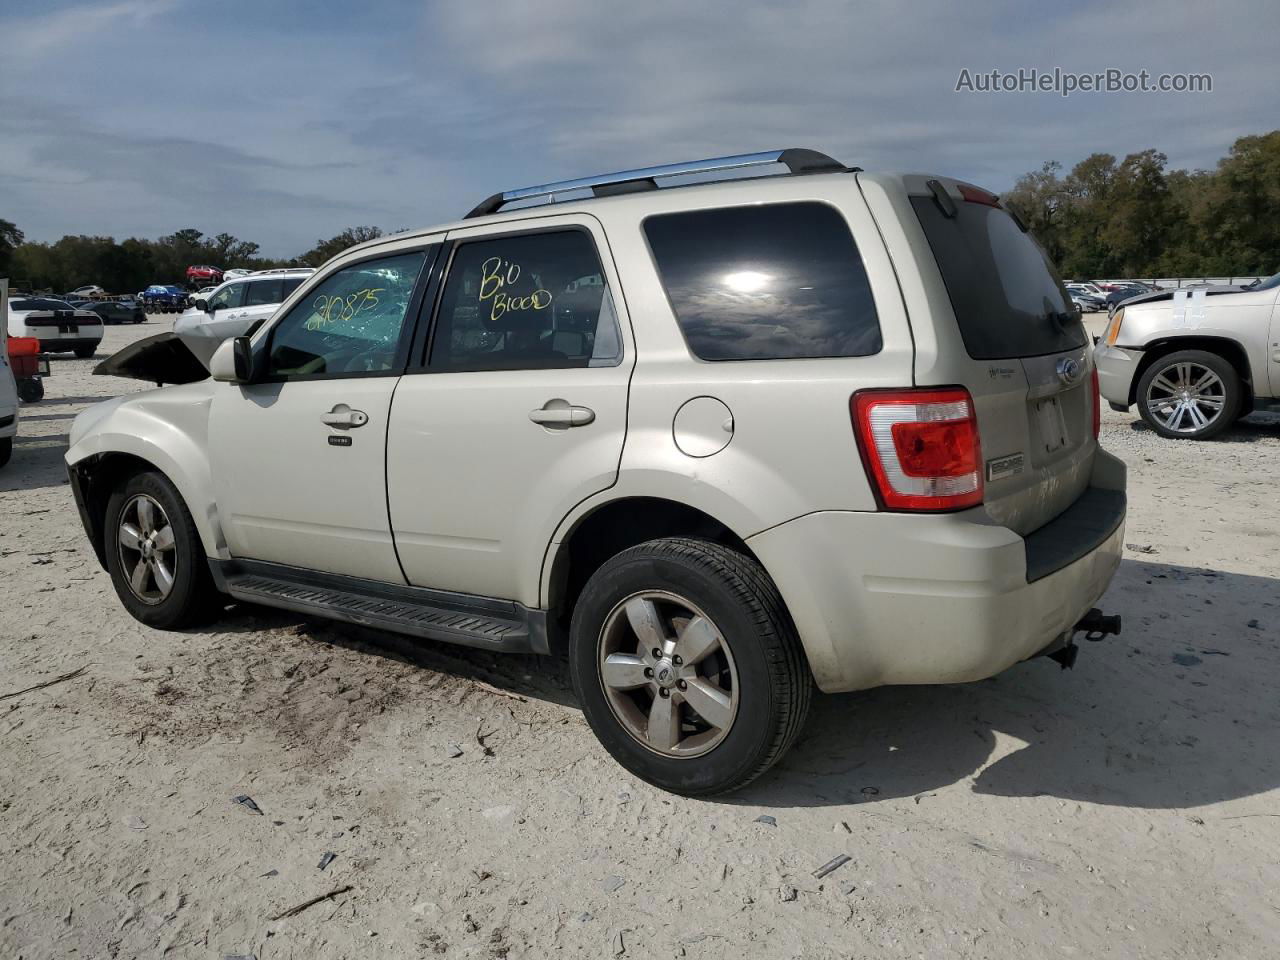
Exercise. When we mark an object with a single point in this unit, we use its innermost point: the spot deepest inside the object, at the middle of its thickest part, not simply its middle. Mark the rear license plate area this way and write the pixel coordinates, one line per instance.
(1052, 424)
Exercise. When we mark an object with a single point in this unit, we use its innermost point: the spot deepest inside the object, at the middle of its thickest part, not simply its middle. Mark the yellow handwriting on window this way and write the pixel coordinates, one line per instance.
(327, 311)
(496, 273)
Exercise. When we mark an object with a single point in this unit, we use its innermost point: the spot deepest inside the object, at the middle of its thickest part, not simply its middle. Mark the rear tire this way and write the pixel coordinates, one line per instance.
(84, 353)
(6, 450)
(1189, 395)
(708, 725)
(155, 556)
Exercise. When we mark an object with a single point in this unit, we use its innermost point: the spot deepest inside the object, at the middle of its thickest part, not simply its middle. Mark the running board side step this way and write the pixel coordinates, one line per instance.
(490, 624)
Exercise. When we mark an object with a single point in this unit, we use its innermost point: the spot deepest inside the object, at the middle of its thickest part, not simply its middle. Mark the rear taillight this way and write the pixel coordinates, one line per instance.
(920, 447)
(1096, 400)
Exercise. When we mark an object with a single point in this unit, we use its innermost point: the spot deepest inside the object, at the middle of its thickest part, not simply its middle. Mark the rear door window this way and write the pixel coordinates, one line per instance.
(767, 282)
(532, 301)
(1007, 298)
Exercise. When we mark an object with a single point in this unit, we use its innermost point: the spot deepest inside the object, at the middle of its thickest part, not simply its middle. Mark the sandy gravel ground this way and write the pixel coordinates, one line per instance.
(1128, 809)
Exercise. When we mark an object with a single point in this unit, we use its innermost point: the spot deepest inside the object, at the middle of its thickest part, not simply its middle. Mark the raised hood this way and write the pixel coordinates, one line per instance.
(161, 359)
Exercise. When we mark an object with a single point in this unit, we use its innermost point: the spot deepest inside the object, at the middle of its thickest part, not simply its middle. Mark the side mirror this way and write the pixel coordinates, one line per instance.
(232, 362)
(201, 304)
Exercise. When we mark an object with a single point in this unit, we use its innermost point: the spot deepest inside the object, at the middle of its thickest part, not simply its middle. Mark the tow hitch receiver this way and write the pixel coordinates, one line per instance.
(1095, 625)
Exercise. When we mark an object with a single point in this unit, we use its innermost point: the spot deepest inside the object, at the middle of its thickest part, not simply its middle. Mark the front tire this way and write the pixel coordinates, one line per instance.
(1189, 395)
(154, 554)
(6, 451)
(688, 668)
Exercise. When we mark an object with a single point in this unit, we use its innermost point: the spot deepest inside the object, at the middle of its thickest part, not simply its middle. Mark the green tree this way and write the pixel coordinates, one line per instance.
(1040, 199)
(326, 250)
(10, 237)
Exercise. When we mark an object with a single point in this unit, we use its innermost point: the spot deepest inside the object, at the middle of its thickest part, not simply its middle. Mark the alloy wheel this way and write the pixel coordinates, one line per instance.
(148, 551)
(1186, 397)
(668, 674)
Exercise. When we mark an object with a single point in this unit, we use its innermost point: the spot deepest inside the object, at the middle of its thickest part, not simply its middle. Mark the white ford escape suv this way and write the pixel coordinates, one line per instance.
(725, 440)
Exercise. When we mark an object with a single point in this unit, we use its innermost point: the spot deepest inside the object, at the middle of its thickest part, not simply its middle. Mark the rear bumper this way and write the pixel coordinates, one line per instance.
(881, 598)
(8, 419)
(1117, 368)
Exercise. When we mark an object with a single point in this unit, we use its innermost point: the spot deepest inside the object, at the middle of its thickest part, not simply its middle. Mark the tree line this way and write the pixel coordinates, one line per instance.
(128, 266)
(1104, 218)
(1137, 218)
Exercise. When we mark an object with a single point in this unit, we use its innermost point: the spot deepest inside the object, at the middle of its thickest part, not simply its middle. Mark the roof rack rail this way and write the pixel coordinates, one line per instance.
(797, 160)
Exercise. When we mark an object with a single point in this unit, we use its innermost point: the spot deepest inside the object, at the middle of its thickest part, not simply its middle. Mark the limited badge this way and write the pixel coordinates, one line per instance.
(1002, 467)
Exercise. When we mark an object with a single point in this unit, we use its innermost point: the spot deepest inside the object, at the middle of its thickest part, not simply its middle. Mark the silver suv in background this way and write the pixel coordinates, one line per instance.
(234, 306)
(724, 441)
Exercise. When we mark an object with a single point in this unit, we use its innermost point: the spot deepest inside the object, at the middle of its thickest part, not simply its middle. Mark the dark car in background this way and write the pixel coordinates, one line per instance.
(117, 311)
(1118, 293)
(162, 298)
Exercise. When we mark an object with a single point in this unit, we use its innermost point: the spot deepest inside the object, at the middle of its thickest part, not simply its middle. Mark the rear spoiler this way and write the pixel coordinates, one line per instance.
(161, 359)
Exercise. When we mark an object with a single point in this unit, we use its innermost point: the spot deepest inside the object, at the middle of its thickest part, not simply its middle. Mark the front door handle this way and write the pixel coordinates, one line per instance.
(560, 414)
(343, 417)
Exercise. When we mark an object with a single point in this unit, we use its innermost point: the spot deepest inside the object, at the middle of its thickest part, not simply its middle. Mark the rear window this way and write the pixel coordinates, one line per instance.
(1007, 297)
(771, 282)
(39, 303)
(262, 293)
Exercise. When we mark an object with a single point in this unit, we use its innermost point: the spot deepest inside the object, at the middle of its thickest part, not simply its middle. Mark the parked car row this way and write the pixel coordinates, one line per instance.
(1092, 297)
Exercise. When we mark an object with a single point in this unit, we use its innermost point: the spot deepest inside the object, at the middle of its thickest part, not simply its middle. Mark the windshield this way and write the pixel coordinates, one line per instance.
(1269, 283)
(1007, 297)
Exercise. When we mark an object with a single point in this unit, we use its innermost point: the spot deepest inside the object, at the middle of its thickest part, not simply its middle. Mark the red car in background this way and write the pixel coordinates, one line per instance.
(203, 276)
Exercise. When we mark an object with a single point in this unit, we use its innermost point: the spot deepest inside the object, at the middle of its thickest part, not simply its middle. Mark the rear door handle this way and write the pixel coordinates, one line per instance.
(343, 417)
(562, 414)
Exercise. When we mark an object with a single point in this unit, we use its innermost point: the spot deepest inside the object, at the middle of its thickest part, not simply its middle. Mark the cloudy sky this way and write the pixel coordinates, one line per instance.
(284, 122)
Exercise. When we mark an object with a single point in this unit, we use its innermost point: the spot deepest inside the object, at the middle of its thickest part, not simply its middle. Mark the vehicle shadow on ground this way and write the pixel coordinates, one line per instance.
(1179, 711)
(37, 462)
(1255, 427)
(530, 676)
(51, 401)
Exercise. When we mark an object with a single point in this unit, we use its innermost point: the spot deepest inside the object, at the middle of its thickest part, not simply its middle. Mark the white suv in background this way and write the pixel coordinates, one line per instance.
(234, 306)
(724, 441)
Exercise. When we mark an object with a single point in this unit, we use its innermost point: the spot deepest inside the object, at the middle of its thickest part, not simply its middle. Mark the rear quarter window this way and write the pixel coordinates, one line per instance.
(772, 282)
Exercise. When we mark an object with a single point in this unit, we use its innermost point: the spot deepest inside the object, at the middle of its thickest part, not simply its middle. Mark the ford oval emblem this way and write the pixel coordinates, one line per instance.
(1070, 370)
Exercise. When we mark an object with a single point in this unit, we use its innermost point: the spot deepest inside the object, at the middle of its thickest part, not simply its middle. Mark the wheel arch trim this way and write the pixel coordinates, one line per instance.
(1157, 348)
(185, 466)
